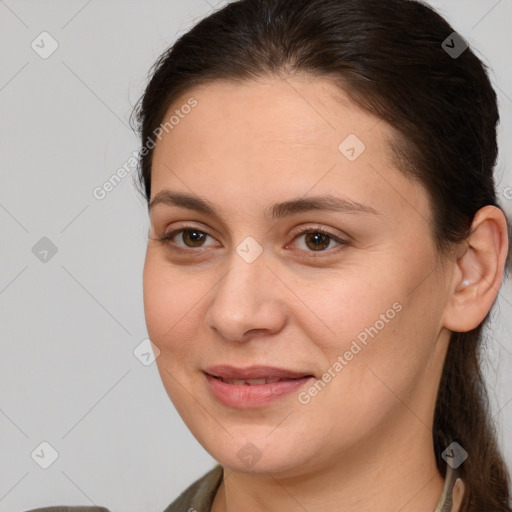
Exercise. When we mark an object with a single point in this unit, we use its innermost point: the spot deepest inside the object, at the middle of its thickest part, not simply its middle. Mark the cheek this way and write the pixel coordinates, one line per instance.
(386, 348)
(171, 302)
(374, 322)
(349, 307)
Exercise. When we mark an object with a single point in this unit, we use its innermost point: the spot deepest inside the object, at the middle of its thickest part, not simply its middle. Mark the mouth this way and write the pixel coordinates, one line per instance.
(253, 387)
(251, 382)
(254, 375)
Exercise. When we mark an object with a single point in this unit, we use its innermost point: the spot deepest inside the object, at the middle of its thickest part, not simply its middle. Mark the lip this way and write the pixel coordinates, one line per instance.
(254, 372)
(253, 395)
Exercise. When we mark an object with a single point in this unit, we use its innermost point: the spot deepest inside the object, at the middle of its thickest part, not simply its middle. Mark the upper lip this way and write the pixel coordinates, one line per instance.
(254, 372)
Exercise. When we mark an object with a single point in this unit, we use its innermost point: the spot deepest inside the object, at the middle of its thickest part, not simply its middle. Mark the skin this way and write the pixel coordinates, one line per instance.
(364, 442)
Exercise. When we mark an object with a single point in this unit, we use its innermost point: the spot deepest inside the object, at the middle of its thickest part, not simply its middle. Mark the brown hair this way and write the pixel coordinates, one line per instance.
(388, 56)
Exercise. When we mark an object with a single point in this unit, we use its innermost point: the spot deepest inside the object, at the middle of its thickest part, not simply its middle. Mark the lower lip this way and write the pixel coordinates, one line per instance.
(249, 396)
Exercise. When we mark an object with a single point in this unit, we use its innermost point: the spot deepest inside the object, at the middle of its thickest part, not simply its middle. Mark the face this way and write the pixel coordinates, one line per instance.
(300, 254)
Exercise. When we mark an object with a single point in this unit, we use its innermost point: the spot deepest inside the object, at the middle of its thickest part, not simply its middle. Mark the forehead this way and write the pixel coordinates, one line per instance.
(267, 119)
(276, 136)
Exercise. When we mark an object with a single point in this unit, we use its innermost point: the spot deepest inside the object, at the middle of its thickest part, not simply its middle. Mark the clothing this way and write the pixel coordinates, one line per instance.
(69, 509)
(198, 497)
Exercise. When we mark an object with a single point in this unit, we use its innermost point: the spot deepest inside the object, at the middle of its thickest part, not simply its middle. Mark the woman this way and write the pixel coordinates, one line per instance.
(324, 250)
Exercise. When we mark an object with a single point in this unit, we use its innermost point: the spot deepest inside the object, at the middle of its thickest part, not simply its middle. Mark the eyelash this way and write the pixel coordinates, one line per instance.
(167, 240)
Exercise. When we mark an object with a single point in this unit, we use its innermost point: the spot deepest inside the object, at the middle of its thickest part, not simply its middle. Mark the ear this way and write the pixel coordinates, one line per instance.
(478, 272)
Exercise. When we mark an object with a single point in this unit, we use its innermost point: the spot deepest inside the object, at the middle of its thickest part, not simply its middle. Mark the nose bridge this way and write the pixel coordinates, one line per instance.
(244, 299)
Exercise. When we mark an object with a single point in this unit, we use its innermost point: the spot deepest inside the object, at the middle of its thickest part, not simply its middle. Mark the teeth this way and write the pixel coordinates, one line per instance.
(251, 382)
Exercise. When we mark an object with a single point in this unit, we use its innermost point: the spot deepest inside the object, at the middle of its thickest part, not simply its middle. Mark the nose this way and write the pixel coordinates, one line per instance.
(248, 301)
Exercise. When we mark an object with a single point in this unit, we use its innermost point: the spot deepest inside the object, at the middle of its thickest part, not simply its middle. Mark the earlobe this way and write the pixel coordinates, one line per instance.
(479, 271)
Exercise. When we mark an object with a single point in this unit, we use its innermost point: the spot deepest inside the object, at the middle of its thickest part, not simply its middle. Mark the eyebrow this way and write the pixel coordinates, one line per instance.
(276, 211)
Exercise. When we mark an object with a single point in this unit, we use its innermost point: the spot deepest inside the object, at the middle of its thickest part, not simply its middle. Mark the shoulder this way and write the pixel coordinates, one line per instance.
(69, 509)
(199, 495)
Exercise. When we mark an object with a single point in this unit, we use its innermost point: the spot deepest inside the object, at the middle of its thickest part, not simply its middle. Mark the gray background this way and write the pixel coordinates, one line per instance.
(69, 325)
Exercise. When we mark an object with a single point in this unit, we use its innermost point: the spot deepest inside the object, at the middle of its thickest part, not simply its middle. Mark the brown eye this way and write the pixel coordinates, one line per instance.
(193, 237)
(190, 238)
(317, 241)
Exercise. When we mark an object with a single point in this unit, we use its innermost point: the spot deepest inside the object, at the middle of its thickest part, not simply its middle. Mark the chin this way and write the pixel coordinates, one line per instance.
(257, 453)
